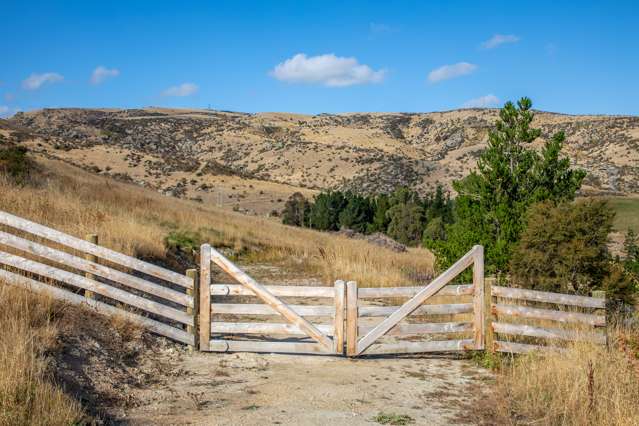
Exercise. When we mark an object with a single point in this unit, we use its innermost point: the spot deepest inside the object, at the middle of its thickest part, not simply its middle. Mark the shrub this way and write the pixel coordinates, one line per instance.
(15, 163)
(406, 223)
(564, 249)
(296, 210)
(182, 241)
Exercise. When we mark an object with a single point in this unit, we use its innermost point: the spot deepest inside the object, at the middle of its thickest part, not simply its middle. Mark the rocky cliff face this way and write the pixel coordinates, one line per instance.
(185, 152)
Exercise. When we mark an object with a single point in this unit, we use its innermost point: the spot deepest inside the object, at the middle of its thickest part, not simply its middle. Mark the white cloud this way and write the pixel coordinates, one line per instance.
(482, 102)
(35, 81)
(184, 89)
(451, 71)
(3, 109)
(498, 40)
(100, 74)
(328, 70)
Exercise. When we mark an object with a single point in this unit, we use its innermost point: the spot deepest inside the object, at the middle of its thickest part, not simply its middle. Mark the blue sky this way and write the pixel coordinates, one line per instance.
(320, 56)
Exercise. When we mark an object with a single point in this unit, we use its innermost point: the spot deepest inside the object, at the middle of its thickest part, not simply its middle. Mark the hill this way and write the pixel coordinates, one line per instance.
(253, 162)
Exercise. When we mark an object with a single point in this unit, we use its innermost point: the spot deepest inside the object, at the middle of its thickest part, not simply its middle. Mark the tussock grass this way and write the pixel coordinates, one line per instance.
(136, 221)
(27, 332)
(585, 385)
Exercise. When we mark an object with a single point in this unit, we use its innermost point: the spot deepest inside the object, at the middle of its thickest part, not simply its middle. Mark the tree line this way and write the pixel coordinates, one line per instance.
(519, 204)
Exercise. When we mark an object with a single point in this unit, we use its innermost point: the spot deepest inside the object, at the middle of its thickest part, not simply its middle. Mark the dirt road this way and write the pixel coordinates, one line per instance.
(270, 389)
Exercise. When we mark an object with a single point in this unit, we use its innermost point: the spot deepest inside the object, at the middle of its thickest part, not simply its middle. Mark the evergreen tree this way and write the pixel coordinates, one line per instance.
(491, 205)
(406, 223)
(324, 214)
(380, 219)
(357, 214)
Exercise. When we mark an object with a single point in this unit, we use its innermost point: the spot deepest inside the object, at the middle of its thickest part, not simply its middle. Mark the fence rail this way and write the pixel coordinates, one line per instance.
(106, 289)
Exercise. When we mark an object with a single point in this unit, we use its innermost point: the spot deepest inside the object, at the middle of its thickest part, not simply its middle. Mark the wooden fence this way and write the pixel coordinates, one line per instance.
(112, 283)
(555, 317)
(250, 317)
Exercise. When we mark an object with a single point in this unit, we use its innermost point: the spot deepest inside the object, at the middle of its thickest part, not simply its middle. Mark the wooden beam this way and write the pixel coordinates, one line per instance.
(488, 315)
(419, 347)
(264, 328)
(414, 303)
(425, 328)
(277, 290)
(192, 329)
(93, 239)
(94, 286)
(352, 314)
(549, 314)
(268, 347)
(204, 302)
(523, 348)
(381, 292)
(271, 300)
(259, 309)
(478, 298)
(548, 297)
(338, 323)
(87, 247)
(101, 308)
(92, 268)
(449, 309)
(548, 333)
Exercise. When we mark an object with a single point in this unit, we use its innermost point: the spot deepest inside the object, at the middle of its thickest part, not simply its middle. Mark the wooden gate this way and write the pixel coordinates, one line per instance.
(361, 337)
(296, 334)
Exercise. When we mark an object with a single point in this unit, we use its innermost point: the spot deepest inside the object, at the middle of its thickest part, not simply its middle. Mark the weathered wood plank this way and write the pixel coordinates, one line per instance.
(271, 300)
(547, 297)
(549, 314)
(417, 300)
(277, 290)
(87, 247)
(352, 314)
(382, 292)
(96, 287)
(338, 323)
(204, 321)
(419, 347)
(93, 239)
(453, 308)
(523, 348)
(478, 298)
(548, 333)
(267, 347)
(264, 328)
(92, 268)
(102, 308)
(426, 328)
(257, 309)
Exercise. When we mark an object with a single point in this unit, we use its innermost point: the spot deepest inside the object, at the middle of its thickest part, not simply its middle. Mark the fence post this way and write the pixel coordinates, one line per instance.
(194, 292)
(488, 314)
(205, 297)
(601, 294)
(92, 238)
(340, 300)
(351, 318)
(478, 299)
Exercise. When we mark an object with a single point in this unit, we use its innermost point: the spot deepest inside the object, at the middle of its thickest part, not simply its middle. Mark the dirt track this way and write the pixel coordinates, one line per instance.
(268, 389)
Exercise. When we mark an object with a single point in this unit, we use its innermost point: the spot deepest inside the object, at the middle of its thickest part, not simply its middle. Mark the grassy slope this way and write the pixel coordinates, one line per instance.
(627, 209)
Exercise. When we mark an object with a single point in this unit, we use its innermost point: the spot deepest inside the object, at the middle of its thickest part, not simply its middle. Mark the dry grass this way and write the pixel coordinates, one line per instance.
(27, 332)
(586, 385)
(135, 220)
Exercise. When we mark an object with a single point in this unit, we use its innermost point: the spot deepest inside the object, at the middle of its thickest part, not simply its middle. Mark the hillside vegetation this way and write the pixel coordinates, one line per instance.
(253, 162)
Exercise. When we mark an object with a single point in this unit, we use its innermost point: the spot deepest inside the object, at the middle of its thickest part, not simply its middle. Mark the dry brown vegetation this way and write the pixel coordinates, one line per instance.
(136, 221)
(27, 332)
(585, 385)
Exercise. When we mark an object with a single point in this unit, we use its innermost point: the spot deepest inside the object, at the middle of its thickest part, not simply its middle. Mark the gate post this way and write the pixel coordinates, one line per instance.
(204, 297)
(478, 298)
(340, 300)
(488, 315)
(194, 311)
(352, 313)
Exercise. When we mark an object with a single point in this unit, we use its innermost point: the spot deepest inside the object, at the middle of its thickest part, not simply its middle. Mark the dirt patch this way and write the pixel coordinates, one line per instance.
(260, 389)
